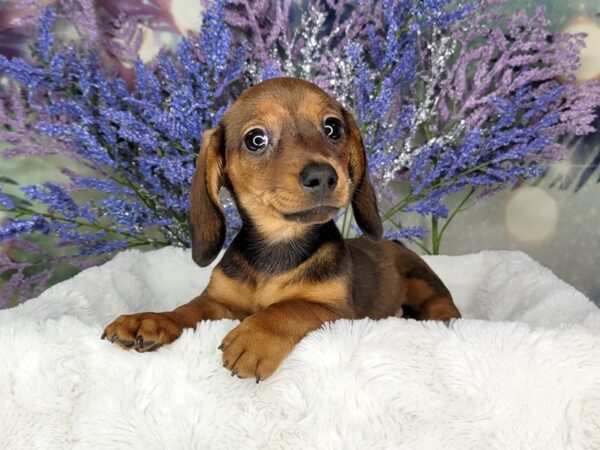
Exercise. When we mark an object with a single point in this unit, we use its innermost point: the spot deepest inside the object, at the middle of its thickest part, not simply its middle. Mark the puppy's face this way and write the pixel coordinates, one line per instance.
(287, 155)
(292, 157)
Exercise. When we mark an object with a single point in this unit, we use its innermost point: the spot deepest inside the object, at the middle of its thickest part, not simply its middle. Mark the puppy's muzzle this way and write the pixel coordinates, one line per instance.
(319, 180)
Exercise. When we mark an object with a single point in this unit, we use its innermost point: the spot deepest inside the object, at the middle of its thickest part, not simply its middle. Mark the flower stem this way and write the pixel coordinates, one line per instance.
(412, 240)
(347, 224)
(436, 233)
(458, 209)
(150, 204)
(421, 246)
(134, 239)
(435, 237)
(412, 197)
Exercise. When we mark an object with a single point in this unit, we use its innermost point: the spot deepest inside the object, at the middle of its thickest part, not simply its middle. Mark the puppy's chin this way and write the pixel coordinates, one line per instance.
(318, 214)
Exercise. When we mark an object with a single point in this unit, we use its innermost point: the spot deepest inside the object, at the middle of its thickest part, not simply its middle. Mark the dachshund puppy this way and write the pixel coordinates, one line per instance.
(291, 157)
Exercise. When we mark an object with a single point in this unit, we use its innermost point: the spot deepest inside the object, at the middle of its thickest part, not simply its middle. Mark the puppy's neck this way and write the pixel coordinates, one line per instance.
(271, 256)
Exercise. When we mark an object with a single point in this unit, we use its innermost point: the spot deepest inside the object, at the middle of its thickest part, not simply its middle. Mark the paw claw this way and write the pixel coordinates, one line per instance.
(127, 343)
(251, 358)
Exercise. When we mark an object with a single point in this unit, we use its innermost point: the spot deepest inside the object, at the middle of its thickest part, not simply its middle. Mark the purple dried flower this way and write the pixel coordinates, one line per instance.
(5, 201)
(406, 233)
(141, 142)
(442, 107)
(16, 227)
(260, 25)
(45, 37)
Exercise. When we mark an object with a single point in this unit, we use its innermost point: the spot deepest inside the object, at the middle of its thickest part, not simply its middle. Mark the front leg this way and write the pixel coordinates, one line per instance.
(148, 331)
(257, 346)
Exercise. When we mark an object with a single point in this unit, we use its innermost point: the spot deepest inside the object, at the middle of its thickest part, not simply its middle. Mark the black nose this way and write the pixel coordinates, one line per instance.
(318, 179)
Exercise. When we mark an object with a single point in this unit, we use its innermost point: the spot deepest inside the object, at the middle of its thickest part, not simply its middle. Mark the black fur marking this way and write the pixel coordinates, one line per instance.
(281, 257)
(249, 250)
(409, 313)
(234, 266)
(324, 269)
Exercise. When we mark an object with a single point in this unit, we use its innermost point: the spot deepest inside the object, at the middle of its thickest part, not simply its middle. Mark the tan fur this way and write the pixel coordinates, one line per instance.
(278, 289)
(231, 291)
(274, 289)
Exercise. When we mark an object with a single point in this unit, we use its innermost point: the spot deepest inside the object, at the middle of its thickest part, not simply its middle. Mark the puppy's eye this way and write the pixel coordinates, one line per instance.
(256, 140)
(333, 128)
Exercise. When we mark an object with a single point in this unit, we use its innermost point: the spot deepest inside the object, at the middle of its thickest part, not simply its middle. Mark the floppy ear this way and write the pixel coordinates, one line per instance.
(364, 203)
(206, 217)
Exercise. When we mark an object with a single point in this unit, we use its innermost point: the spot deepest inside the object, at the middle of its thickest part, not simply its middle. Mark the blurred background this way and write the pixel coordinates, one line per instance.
(556, 219)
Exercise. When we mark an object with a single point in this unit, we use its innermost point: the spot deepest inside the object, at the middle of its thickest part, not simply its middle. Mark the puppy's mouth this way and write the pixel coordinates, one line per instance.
(313, 215)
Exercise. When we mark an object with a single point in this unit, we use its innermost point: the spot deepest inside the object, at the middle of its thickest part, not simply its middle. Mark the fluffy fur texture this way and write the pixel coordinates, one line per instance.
(521, 370)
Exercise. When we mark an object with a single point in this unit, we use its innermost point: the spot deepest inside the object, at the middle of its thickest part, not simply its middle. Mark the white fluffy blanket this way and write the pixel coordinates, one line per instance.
(521, 371)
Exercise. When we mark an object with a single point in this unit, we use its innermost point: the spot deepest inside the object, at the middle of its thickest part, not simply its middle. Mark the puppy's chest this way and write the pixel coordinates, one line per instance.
(273, 289)
(263, 290)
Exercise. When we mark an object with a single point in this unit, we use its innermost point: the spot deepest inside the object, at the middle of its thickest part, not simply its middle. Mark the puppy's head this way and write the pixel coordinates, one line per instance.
(292, 157)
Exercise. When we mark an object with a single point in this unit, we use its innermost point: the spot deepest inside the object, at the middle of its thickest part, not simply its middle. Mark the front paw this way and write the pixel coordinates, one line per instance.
(251, 350)
(143, 332)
